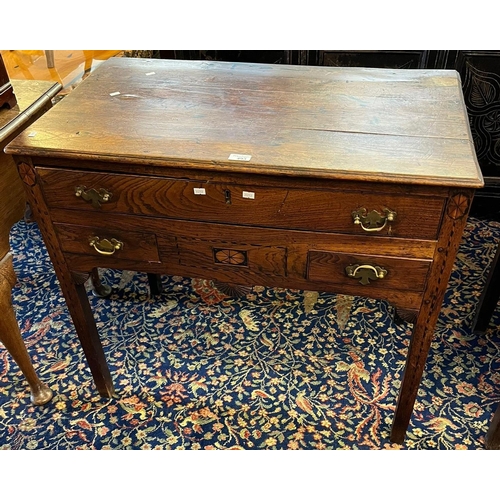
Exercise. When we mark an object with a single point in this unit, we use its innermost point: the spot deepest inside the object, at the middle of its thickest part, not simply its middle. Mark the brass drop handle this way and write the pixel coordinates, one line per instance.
(365, 272)
(92, 195)
(373, 221)
(105, 247)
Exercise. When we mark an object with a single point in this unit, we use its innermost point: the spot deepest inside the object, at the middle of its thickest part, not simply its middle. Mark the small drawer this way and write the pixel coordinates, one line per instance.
(107, 243)
(367, 271)
(348, 212)
(226, 257)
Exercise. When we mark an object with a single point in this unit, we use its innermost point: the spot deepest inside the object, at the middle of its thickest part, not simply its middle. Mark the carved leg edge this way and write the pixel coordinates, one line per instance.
(449, 239)
(416, 358)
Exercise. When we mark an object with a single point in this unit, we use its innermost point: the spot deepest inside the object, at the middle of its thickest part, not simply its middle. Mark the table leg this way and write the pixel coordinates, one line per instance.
(155, 286)
(493, 436)
(489, 297)
(100, 289)
(423, 333)
(10, 336)
(84, 322)
(49, 54)
(72, 284)
(448, 243)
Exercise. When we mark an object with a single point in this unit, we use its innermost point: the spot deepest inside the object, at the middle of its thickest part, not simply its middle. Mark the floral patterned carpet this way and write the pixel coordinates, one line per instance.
(276, 369)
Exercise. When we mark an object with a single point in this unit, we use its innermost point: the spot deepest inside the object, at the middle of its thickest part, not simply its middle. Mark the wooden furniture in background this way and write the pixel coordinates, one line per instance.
(488, 302)
(354, 181)
(480, 74)
(7, 96)
(68, 67)
(49, 55)
(489, 297)
(492, 440)
(33, 99)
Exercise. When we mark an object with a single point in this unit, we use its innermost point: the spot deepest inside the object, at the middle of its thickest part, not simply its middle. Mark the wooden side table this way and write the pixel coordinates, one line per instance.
(33, 99)
(352, 181)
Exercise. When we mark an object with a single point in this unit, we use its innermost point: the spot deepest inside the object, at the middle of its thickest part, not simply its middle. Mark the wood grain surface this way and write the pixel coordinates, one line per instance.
(344, 123)
(249, 204)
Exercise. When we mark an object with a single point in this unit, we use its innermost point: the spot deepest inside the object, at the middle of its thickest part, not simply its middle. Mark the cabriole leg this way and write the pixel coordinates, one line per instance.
(10, 336)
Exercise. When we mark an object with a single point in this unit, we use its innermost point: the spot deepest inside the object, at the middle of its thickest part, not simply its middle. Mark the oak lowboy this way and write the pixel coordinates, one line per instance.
(353, 181)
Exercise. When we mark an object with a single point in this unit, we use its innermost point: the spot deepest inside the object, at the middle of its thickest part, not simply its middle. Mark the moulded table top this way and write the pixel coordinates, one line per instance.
(382, 125)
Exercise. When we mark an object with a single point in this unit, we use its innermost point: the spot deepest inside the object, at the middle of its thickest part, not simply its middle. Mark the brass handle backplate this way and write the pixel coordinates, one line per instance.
(105, 247)
(93, 196)
(365, 272)
(373, 221)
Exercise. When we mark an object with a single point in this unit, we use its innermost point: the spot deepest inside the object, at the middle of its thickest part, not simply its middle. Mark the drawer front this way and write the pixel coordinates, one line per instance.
(108, 244)
(229, 257)
(371, 213)
(367, 271)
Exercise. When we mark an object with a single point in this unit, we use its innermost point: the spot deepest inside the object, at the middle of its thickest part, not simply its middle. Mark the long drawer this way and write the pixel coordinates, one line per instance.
(357, 212)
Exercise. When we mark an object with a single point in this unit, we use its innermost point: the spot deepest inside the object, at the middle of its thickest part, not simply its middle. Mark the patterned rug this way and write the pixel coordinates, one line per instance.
(276, 369)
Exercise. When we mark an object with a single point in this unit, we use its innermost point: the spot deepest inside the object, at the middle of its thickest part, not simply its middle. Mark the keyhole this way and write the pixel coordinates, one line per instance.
(227, 195)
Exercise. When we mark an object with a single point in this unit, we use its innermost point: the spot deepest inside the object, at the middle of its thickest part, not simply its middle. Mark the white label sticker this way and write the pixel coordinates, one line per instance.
(199, 191)
(234, 156)
(249, 194)
(114, 93)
